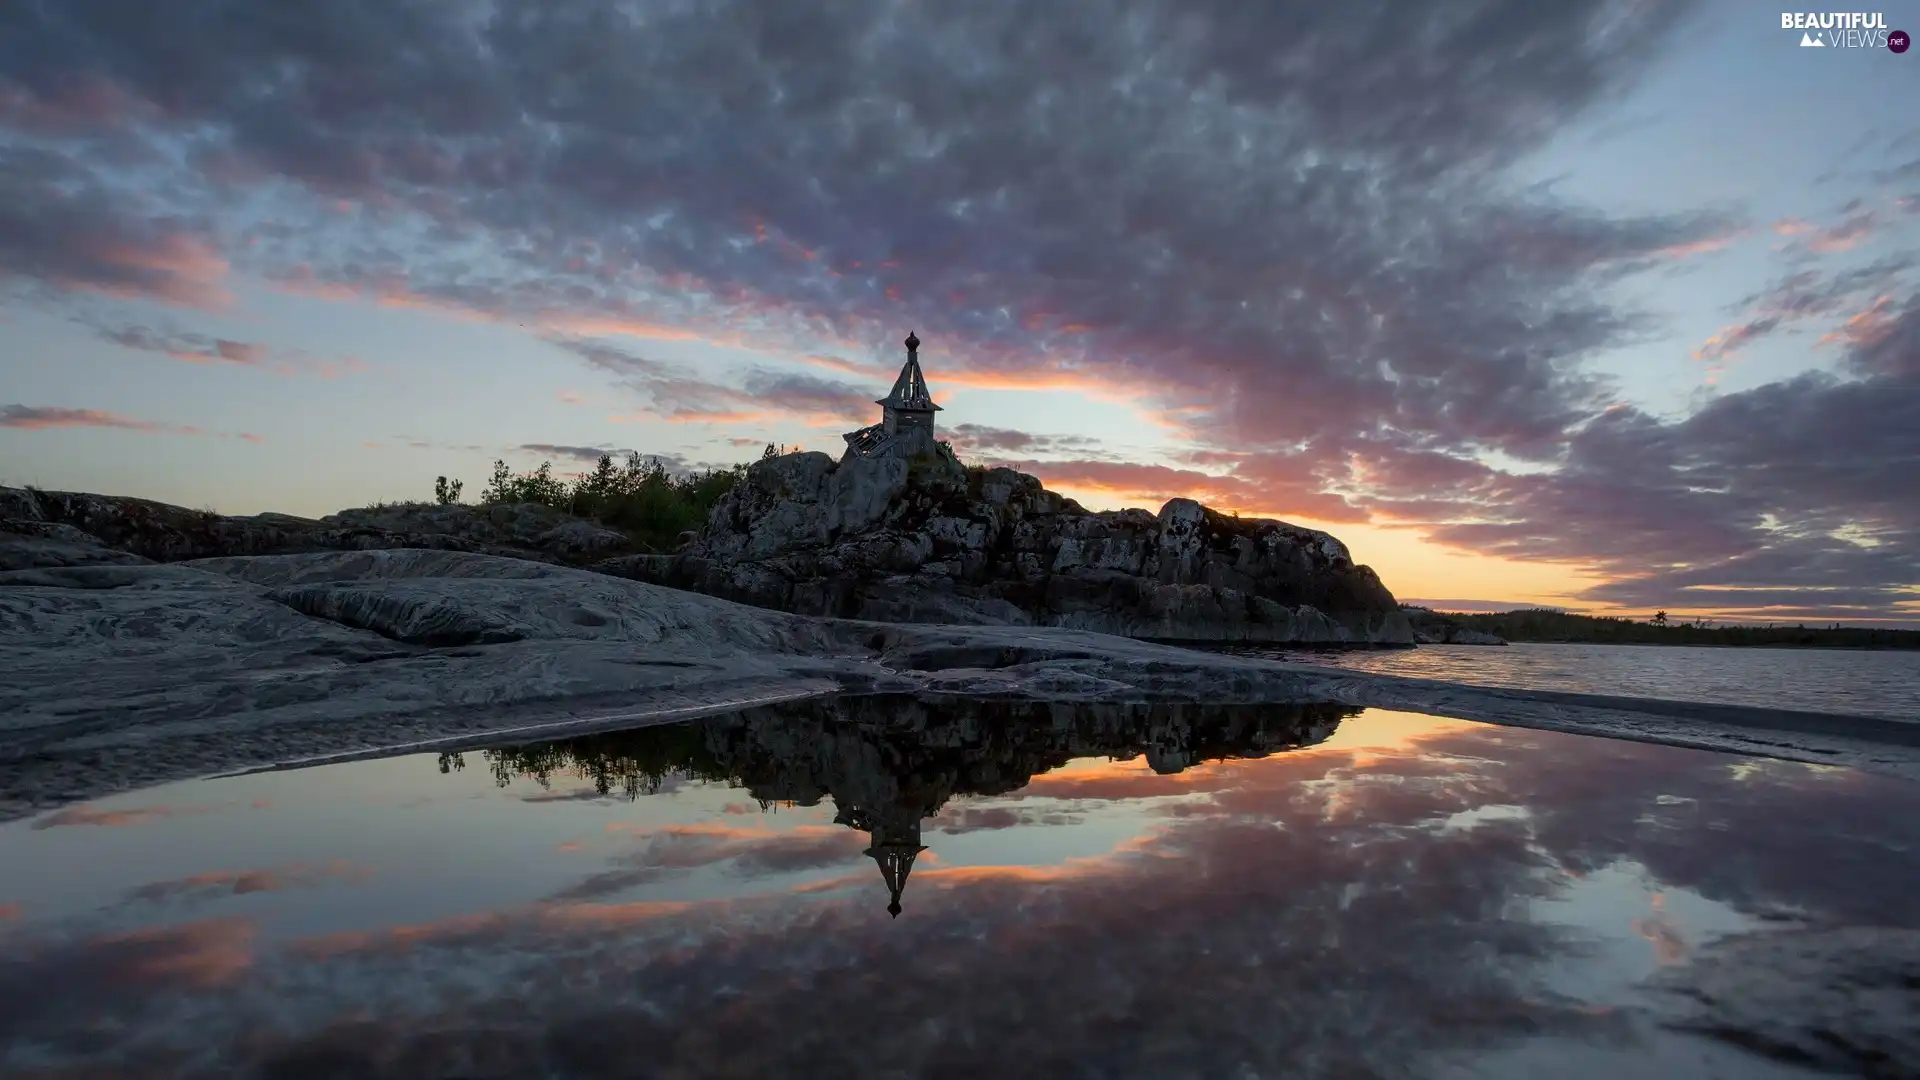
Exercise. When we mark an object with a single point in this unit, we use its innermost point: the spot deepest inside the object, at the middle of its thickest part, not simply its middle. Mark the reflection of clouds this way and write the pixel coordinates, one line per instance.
(958, 818)
(1761, 837)
(53, 989)
(87, 814)
(90, 815)
(1297, 915)
(671, 850)
(215, 884)
(1118, 781)
(1669, 946)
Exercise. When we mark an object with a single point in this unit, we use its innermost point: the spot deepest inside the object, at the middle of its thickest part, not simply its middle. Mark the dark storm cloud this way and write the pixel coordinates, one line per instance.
(1286, 220)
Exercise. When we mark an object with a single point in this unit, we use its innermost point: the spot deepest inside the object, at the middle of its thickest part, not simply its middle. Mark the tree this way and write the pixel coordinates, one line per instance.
(446, 492)
(1659, 618)
(593, 491)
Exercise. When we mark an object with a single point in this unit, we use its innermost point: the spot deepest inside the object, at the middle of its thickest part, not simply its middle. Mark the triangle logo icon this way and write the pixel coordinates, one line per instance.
(1809, 41)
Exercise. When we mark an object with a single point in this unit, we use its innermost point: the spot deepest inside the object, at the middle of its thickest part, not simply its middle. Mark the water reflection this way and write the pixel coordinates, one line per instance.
(1096, 891)
(889, 761)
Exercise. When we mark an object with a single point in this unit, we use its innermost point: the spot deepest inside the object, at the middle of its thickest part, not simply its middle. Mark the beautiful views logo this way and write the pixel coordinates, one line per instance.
(1844, 30)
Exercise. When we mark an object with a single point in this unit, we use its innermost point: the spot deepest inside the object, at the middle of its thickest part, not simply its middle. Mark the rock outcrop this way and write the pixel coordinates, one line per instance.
(1455, 635)
(65, 528)
(928, 540)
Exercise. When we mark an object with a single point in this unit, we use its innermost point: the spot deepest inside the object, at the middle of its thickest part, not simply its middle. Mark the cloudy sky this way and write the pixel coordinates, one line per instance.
(1609, 304)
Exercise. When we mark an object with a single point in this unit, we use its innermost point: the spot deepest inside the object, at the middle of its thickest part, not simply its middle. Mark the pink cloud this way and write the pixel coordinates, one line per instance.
(39, 417)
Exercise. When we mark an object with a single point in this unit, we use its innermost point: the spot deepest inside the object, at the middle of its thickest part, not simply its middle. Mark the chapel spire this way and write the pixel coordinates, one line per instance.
(910, 392)
(905, 429)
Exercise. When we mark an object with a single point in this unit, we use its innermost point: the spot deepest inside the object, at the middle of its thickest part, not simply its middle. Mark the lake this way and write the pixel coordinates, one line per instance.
(885, 886)
(1859, 682)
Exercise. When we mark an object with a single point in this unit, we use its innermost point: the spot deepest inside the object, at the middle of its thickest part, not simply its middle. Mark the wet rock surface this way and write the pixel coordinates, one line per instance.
(930, 540)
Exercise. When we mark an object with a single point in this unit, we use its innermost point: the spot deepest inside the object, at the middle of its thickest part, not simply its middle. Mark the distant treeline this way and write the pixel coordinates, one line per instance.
(1542, 624)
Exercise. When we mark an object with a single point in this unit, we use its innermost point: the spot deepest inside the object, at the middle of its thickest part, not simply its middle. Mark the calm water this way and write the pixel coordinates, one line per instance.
(879, 887)
(1883, 683)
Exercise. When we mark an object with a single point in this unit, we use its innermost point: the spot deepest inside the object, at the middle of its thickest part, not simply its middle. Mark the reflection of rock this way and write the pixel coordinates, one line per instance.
(1846, 1000)
(889, 761)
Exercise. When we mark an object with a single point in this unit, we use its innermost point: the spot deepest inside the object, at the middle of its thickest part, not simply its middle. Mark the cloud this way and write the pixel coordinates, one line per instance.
(983, 439)
(195, 348)
(1323, 263)
(36, 417)
(676, 393)
(1795, 488)
(1729, 342)
(573, 453)
(1463, 605)
(1844, 236)
(1262, 487)
(60, 227)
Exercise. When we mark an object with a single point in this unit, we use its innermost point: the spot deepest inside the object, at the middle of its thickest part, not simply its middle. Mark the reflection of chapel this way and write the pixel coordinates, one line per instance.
(896, 840)
(906, 425)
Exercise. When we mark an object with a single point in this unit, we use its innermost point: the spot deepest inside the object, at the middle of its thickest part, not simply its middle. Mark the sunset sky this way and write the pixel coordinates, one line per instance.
(1605, 305)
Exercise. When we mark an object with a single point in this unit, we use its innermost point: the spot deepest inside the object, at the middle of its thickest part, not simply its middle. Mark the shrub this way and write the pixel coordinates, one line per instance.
(641, 498)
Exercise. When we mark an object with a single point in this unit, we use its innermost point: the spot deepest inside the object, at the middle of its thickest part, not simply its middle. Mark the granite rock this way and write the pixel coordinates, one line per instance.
(67, 528)
(928, 540)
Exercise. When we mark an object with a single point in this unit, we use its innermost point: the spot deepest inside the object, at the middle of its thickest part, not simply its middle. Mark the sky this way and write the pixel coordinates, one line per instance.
(1608, 305)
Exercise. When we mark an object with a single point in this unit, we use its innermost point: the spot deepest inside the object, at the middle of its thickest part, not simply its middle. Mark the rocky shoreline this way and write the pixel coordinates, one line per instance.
(126, 675)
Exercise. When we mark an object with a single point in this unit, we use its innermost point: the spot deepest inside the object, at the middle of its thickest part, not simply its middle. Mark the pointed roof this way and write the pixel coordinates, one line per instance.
(896, 862)
(910, 389)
